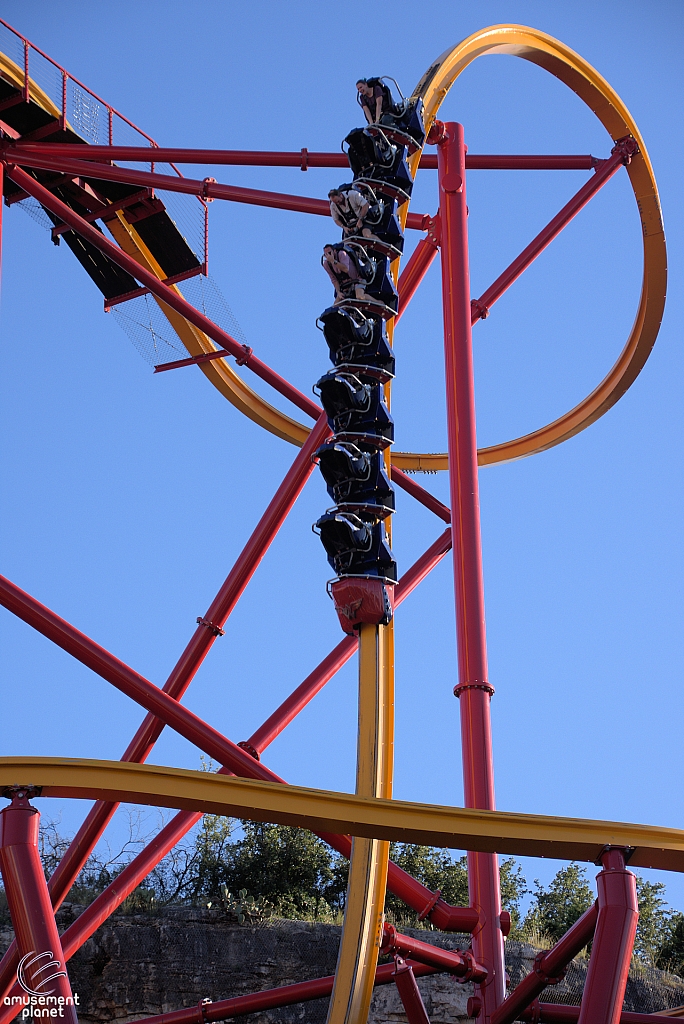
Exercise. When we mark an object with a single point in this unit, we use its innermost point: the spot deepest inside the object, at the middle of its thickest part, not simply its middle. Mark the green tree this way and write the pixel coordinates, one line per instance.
(653, 929)
(555, 909)
(288, 866)
(671, 954)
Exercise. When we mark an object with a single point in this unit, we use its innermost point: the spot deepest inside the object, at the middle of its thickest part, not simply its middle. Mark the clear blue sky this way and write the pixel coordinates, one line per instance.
(126, 496)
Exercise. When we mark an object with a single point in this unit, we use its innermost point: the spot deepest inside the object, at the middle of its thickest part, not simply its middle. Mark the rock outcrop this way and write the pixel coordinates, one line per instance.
(137, 966)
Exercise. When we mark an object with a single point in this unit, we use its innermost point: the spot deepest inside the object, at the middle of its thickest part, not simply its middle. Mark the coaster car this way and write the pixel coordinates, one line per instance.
(356, 479)
(356, 410)
(354, 338)
(355, 547)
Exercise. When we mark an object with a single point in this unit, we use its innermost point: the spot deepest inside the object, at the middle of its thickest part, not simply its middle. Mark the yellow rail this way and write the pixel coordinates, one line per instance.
(533, 835)
(362, 932)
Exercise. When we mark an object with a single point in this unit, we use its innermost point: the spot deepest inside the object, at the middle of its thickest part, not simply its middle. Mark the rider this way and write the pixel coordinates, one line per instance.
(343, 273)
(375, 98)
(349, 210)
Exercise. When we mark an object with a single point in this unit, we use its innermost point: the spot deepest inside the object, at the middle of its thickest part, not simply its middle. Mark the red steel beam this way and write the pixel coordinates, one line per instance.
(205, 189)
(301, 158)
(456, 962)
(611, 951)
(85, 650)
(286, 995)
(418, 265)
(547, 967)
(604, 173)
(206, 357)
(243, 353)
(29, 904)
(473, 689)
(403, 480)
(409, 993)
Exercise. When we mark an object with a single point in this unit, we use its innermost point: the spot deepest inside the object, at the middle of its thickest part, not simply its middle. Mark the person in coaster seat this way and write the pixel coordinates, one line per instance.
(375, 99)
(349, 210)
(342, 271)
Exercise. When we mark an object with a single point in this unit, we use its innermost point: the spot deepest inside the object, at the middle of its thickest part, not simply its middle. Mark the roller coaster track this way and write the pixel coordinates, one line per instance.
(76, 183)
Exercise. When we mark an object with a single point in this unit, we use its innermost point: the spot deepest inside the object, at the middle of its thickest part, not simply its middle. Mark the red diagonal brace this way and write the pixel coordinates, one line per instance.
(547, 968)
(603, 174)
(402, 884)
(409, 993)
(162, 291)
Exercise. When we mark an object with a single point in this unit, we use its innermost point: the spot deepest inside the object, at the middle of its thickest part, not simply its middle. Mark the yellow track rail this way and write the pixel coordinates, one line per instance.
(532, 835)
(370, 815)
(566, 65)
(362, 931)
(582, 78)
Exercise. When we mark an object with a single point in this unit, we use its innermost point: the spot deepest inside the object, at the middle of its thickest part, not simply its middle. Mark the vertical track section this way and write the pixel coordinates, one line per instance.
(363, 917)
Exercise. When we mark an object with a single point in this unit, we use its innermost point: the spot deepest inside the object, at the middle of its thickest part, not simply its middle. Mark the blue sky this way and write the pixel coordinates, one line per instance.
(126, 497)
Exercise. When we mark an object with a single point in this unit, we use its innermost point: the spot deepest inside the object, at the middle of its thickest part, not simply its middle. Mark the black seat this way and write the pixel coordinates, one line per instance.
(409, 121)
(382, 287)
(355, 477)
(355, 410)
(355, 547)
(355, 338)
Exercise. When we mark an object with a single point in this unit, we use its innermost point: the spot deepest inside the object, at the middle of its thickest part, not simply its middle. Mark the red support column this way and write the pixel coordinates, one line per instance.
(618, 914)
(42, 965)
(407, 986)
(473, 688)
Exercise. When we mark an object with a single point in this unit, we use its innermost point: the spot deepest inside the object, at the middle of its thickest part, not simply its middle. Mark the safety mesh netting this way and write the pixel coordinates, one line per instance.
(153, 335)
(648, 990)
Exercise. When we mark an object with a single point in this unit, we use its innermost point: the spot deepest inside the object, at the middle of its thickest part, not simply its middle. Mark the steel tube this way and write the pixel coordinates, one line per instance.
(473, 687)
(409, 485)
(189, 186)
(547, 967)
(603, 174)
(454, 961)
(409, 993)
(407, 888)
(162, 291)
(414, 272)
(611, 952)
(182, 674)
(33, 919)
(272, 998)
(302, 158)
